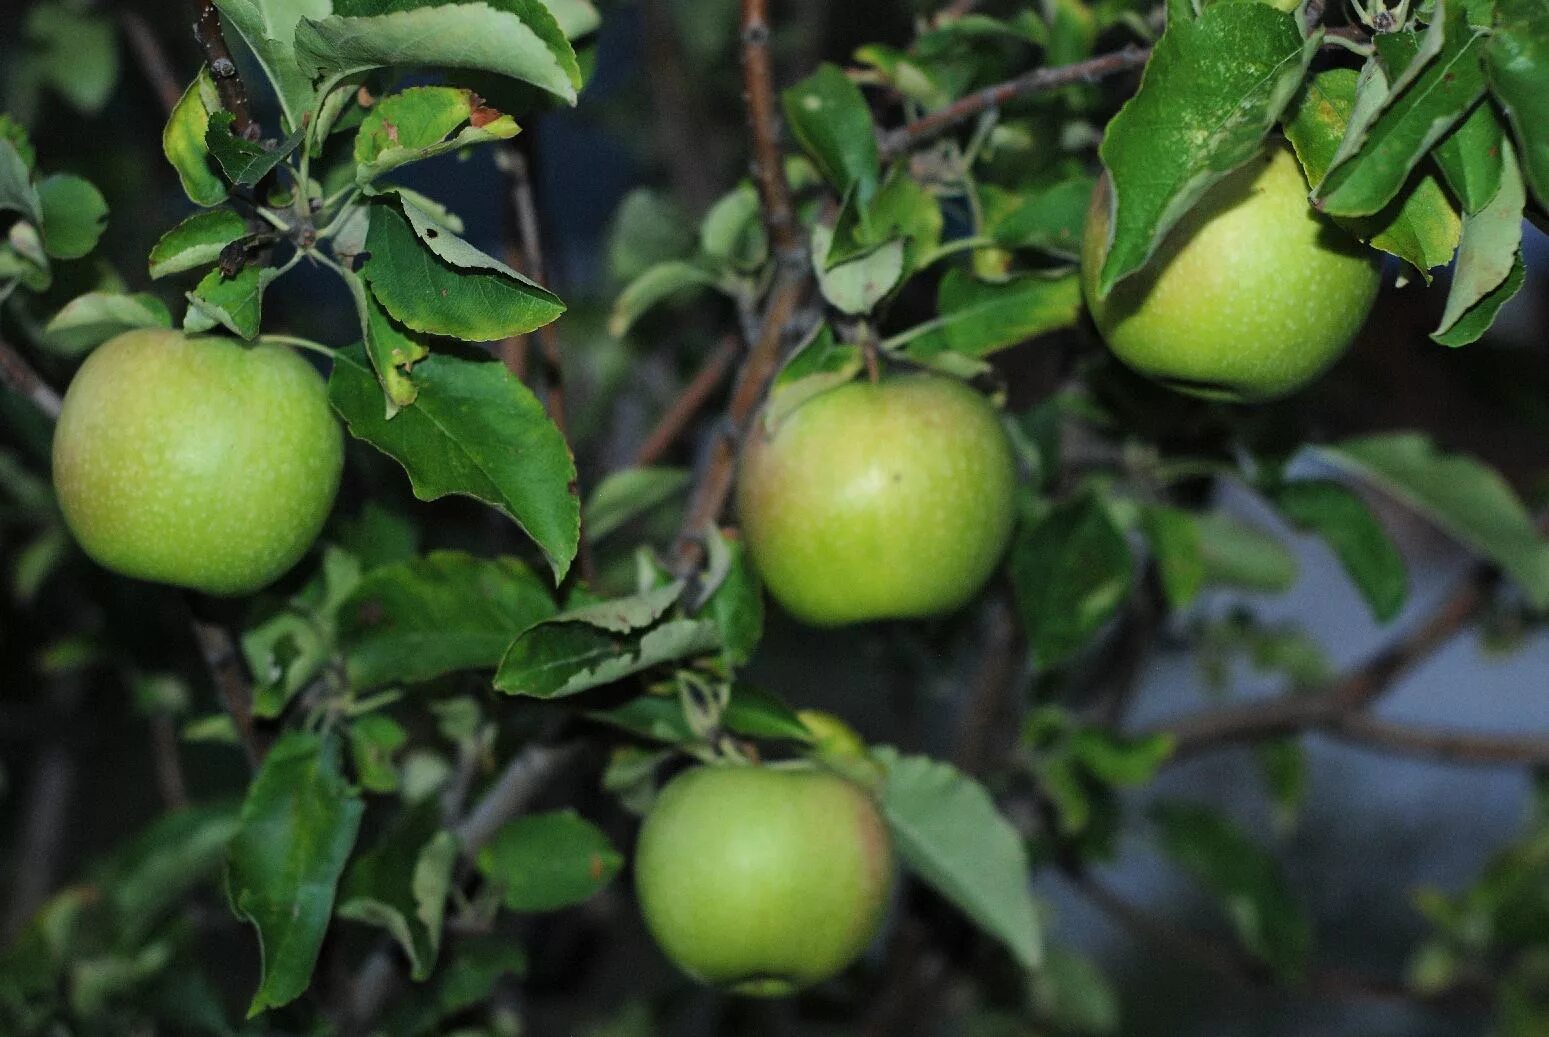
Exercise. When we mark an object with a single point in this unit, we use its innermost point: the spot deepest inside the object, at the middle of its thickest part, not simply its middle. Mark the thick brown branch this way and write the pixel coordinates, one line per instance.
(792, 279)
(695, 395)
(1037, 81)
(774, 191)
(713, 488)
(151, 58)
(217, 57)
(16, 373)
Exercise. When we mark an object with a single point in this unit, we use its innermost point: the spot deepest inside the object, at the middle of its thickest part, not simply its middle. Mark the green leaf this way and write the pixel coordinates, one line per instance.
(648, 228)
(178, 851)
(1073, 994)
(268, 27)
(1347, 525)
(1176, 544)
(1071, 571)
(423, 122)
(1464, 497)
(977, 318)
(829, 118)
(434, 282)
(477, 965)
(197, 241)
(1471, 159)
(184, 145)
(1050, 220)
(654, 286)
(1283, 763)
(89, 320)
(625, 495)
(245, 162)
(737, 603)
(448, 611)
(17, 192)
(401, 885)
(475, 430)
(75, 53)
(1490, 250)
(1212, 89)
(733, 231)
(515, 38)
(235, 303)
(562, 657)
(857, 285)
(298, 825)
(1518, 62)
(822, 363)
(392, 348)
(544, 862)
(1243, 555)
(749, 712)
(374, 739)
(14, 134)
(948, 832)
(1269, 920)
(1420, 226)
(74, 215)
(1476, 321)
(1366, 180)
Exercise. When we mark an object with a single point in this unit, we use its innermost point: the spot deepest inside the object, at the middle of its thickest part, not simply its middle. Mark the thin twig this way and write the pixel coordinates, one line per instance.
(1235, 966)
(46, 819)
(524, 777)
(695, 395)
(678, 111)
(167, 762)
(1038, 81)
(956, 9)
(1475, 748)
(529, 235)
(988, 725)
(228, 81)
(17, 374)
(1284, 715)
(518, 169)
(151, 58)
(224, 662)
(774, 191)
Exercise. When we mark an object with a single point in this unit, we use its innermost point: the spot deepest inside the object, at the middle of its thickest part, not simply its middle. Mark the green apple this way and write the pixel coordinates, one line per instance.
(886, 500)
(763, 879)
(1251, 296)
(198, 462)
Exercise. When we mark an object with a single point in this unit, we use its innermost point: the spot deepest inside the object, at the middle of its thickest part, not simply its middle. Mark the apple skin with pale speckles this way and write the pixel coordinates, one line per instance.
(760, 879)
(198, 462)
(886, 500)
(1251, 296)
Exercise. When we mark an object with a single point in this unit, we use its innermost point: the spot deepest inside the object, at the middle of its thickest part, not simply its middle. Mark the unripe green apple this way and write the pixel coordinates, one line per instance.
(198, 462)
(1251, 296)
(887, 500)
(763, 879)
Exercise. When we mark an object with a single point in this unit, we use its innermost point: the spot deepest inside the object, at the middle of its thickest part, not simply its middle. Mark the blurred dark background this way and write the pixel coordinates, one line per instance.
(663, 112)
